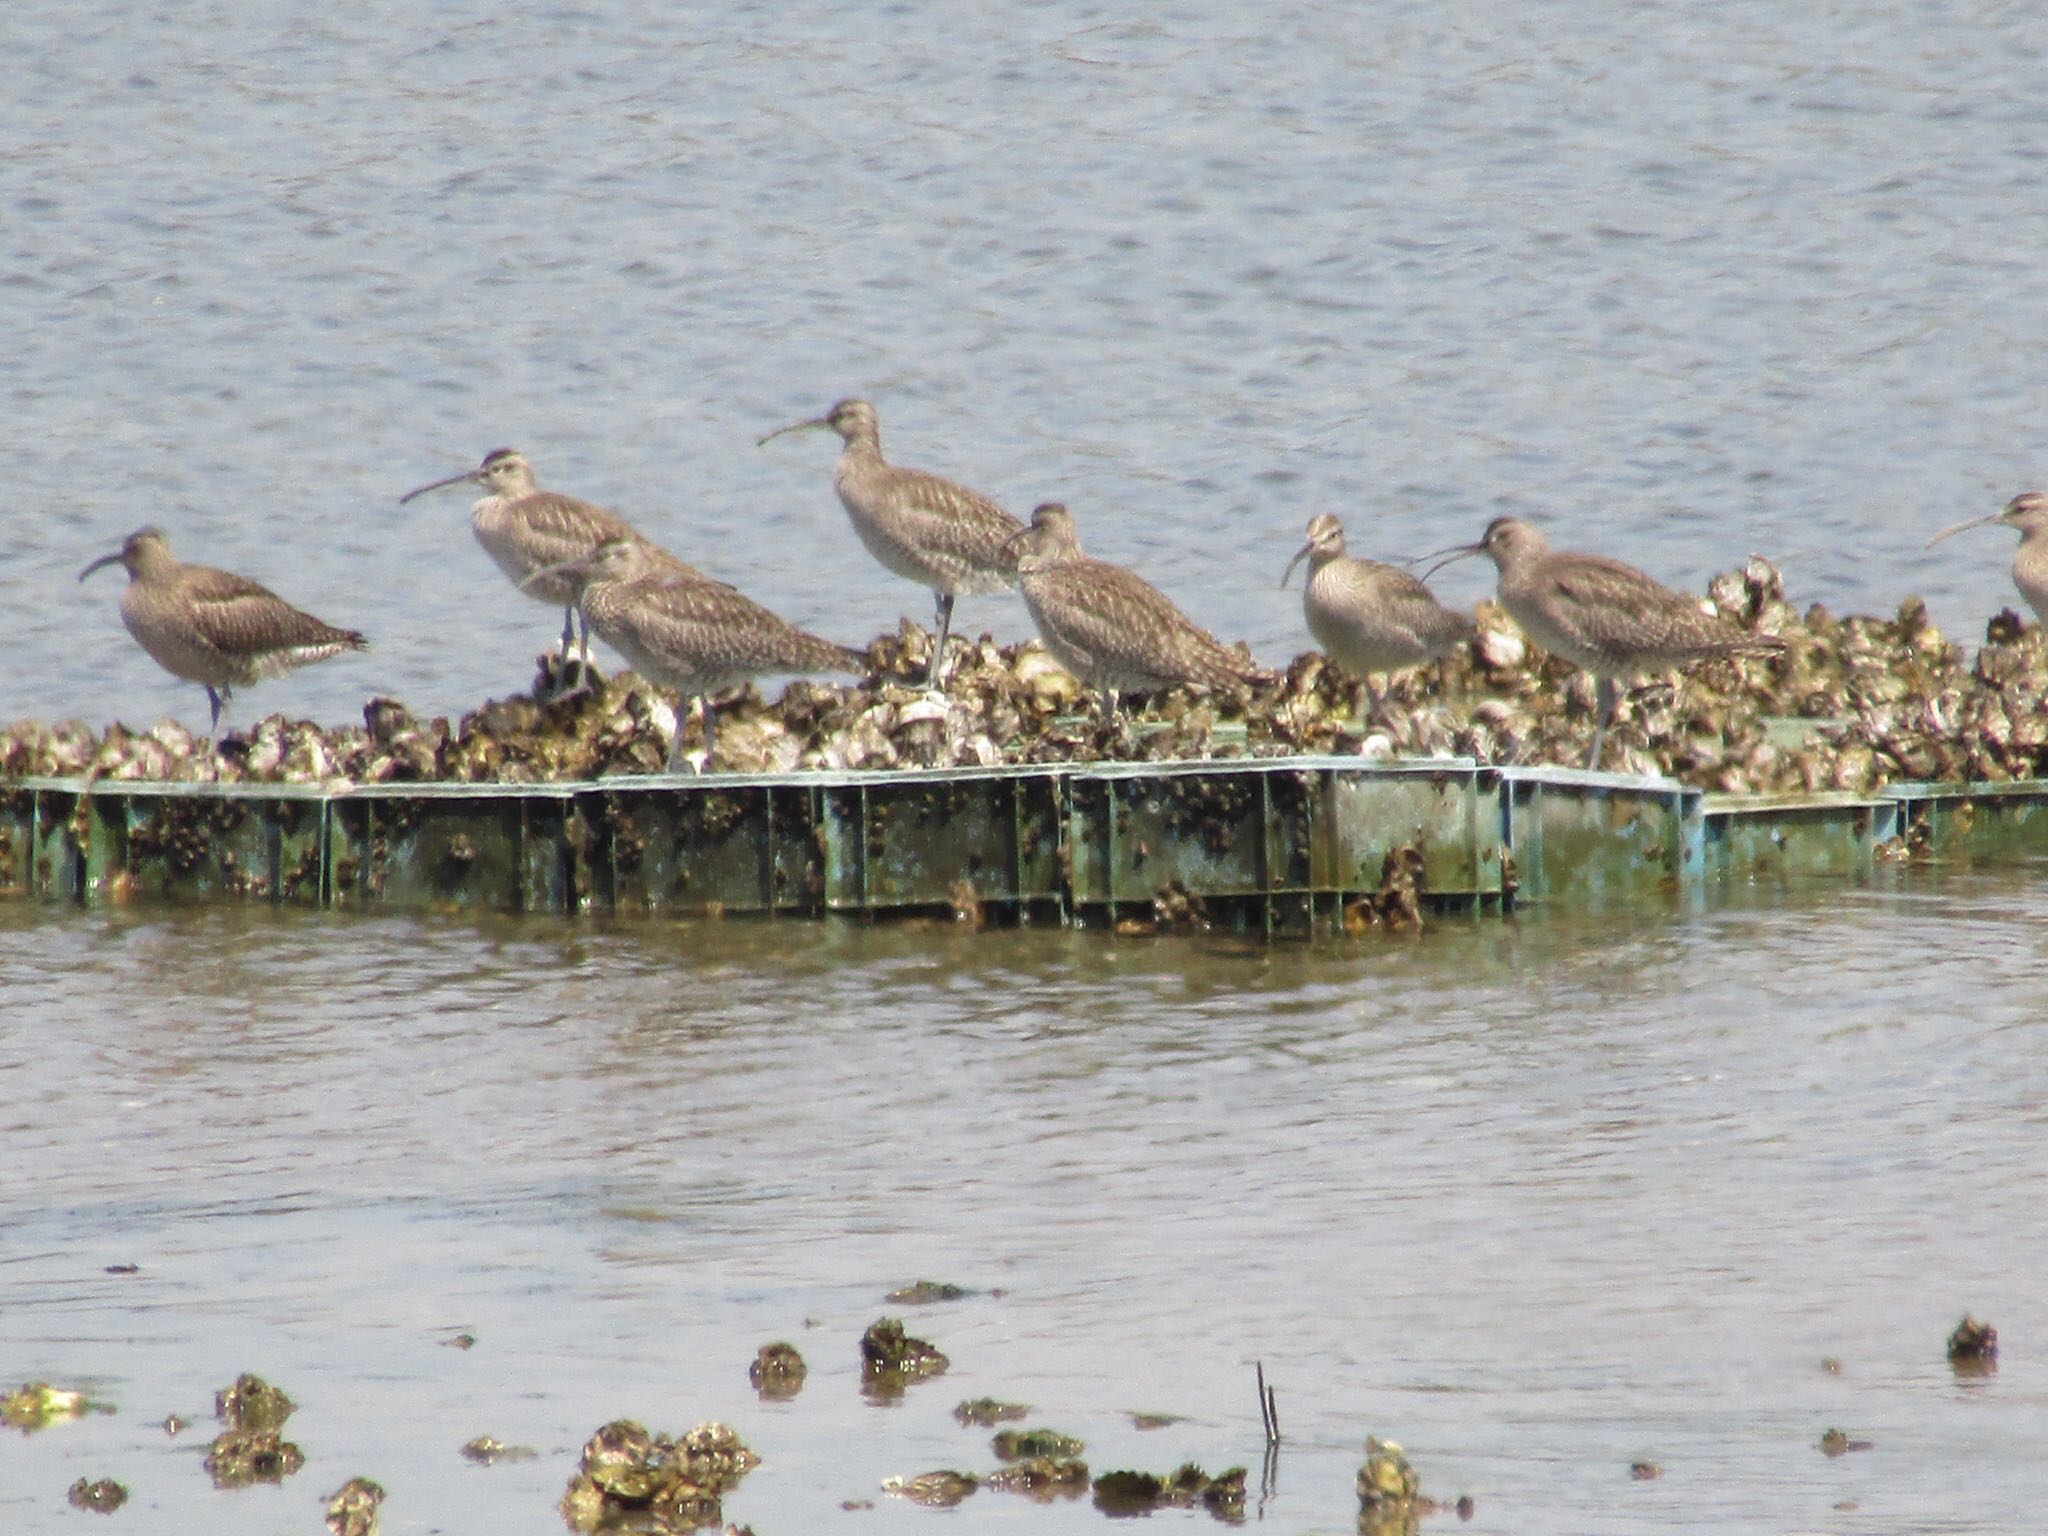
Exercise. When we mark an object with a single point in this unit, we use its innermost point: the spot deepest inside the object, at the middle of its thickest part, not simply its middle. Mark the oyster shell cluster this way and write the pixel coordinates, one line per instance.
(628, 1477)
(1851, 705)
(251, 1448)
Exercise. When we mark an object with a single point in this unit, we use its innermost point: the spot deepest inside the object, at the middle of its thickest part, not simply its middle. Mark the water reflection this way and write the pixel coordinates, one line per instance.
(1536, 1197)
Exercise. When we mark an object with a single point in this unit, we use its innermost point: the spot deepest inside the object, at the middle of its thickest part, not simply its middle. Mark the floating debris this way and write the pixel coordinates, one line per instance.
(488, 1450)
(352, 1508)
(1020, 1444)
(1044, 1478)
(1645, 1471)
(460, 1341)
(37, 1405)
(652, 1483)
(101, 1498)
(937, 1490)
(986, 1412)
(922, 1293)
(1156, 1420)
(1973, 1347)
(1835, 1442)
(239, 1457)
(1389, 1491)
(1135, 1493)
(777, 1372)
(891, 1359)
(252, 1403)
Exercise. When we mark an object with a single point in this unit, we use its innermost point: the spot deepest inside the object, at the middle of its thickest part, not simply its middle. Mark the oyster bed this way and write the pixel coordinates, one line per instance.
(1853, 704)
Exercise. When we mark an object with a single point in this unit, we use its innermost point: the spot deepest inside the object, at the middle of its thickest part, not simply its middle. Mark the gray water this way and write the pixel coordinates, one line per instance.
(1680, 282)
(1535, 1198)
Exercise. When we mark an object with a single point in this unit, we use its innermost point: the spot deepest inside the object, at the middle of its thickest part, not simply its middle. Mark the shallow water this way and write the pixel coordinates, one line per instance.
(1678, 282)
(1537, 1198)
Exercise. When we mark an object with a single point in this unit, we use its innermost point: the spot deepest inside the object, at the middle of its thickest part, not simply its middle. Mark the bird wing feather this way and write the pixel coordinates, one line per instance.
(928, 512)
(1621, 612)
(699, 636)
(1401, 604)
(552, 528)
(1127, 628)
(240, 617)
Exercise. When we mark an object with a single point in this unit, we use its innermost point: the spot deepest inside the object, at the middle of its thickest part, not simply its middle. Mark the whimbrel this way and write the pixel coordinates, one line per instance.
(1367, 616)
(1610, 619)
(1109, 626)
(525, 529)
(2028, 512)
(934, 531)
(689, 632)
(214, 627)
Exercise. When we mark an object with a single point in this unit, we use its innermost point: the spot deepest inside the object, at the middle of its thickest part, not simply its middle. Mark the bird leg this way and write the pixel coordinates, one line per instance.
(699, 705)
(217, 700)
(1608, 698)
(945, 612)
(568, 641)
(1373, 702)
(564, 687)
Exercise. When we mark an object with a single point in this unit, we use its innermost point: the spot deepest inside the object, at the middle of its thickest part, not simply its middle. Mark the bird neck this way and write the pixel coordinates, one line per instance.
(150, 562)
(863, 444)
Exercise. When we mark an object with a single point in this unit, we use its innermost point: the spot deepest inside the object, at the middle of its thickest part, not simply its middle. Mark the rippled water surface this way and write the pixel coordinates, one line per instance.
(1538, 1198)
(1678, 281)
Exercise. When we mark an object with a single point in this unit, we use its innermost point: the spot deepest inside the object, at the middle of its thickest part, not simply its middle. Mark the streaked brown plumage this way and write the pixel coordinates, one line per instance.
(525, 530)
(1367, 616)
(1109, 626)
(688, 632)
(1610, 619)
(923, 527)
(214, 627)
(2028, 512)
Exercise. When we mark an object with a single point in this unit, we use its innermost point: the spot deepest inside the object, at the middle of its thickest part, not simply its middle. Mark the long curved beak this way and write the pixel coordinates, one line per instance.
(1444, 557)
(469, 475)
(1300, 555)
(1974, 522)
(103, 561)
(794, 426)
(1009, 546)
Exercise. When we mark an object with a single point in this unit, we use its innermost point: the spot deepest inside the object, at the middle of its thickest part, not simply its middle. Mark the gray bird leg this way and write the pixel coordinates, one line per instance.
(945, 606)
(1608, 698)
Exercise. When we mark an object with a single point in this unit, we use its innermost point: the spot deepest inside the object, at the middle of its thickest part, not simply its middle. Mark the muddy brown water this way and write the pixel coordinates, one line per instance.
(1536, 1198)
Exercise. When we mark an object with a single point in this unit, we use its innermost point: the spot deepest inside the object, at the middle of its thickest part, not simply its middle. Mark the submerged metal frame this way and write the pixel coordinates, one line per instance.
(1271, 846)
